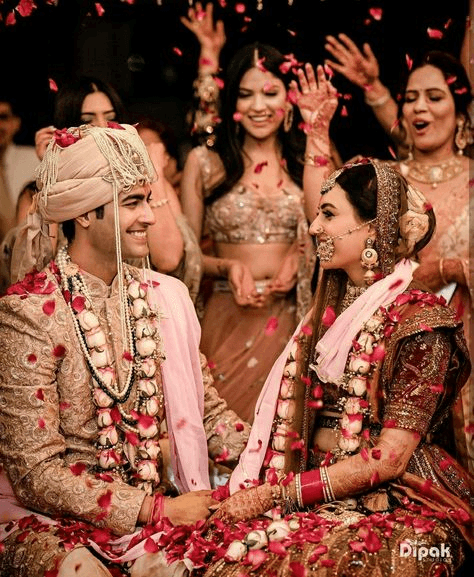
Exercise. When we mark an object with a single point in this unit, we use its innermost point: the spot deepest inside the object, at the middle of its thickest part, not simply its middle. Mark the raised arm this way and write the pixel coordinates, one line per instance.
(316, 98)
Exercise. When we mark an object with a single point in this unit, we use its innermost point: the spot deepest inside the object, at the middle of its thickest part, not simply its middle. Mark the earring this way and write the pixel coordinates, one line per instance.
(369, 260)
(460, 139)
(288, 120)
(410, 152)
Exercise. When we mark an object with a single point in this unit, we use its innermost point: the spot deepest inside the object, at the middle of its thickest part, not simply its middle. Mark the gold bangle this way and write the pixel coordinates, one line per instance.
(159, 203)
(441, 272)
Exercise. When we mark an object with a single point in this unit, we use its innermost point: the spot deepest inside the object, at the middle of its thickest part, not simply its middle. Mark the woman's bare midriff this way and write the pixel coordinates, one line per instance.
(263, 260)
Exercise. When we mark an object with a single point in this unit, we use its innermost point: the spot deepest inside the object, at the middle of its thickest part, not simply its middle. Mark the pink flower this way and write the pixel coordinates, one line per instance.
(433, 33)
(63, 138)
(376, 13)
(26, 7)
(329, 317)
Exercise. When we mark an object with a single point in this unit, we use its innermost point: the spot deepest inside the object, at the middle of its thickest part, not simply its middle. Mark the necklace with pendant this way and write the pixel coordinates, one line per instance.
(433, 173)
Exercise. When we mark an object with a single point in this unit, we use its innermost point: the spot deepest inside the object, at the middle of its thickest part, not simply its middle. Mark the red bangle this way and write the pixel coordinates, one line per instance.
(311, 487)
(157, 508)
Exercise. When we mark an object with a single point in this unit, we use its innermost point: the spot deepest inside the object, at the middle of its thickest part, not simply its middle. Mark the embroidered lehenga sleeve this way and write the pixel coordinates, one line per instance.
(226, 433)
(418, 383)
(48, 473)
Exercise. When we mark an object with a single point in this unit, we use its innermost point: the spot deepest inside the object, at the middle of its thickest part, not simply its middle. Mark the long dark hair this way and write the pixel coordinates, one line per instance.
(228, 139)
(69, 99)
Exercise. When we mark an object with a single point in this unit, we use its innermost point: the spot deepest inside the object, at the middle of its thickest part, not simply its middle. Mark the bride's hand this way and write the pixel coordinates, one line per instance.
(315, 96)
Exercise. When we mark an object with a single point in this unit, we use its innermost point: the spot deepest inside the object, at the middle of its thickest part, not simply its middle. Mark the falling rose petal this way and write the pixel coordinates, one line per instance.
(211, 364)
(451, 79)
(376, 13)
(105, 477)
(31, 358)
(127, 356)
(49, 307)
(259, 167)
(10, 20)
(237, 116)
(150, 546)
(344, 111)
(327, 562)
(427, 206)
(77, 468)
(25, 7)
(78, 304)
(376, 454)
(329, 316)
(366, 436)
(462, 90)
(306, 330)
(181, 423)
(41, 423)
(52, 85)
(39, 394)
(378, 354)
(240, 7)
(239, 427)
(132, 438)
(298, 569)
(291, 32)
(306, 381)
(374, 479)
(59, 351)
(278, 548)
(395, 284)
(271, 326)
(318, 392)
(409, 61)
(328, 71)
(177, 51)
(358, 546)
(100, 10)
(372, 542)
(105, 500)
(390, 424)
(434, 33)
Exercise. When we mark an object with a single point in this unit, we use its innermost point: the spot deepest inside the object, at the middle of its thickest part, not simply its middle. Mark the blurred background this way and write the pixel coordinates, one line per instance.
(143, 49)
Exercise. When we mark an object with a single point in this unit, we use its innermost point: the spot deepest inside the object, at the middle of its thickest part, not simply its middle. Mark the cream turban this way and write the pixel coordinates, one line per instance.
(83, 168)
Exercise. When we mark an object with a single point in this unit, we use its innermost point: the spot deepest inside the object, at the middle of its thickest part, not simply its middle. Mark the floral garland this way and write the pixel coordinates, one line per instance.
(137, 456)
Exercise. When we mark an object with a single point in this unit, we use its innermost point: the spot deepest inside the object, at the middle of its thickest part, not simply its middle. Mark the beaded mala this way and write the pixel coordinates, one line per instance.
(137, 456)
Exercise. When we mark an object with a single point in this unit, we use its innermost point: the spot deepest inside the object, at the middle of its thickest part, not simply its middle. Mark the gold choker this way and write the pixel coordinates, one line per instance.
(433, 173)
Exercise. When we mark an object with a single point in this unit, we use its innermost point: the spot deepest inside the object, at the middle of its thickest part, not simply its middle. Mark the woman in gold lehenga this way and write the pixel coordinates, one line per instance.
(345, 455)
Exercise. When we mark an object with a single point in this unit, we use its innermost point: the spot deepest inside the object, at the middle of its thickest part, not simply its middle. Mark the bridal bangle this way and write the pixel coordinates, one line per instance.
(378, 101)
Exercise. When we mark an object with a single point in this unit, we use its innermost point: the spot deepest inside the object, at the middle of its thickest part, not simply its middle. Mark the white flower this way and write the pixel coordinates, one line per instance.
(256, 539)
(366, 341)
(287, 388)
(140, 308)
(101, 398)
(108, 436)
(290, 369)
(100, 357)
(354, 425)
(135, 290)
(286, 408)
(147, 471)
(107, 374)
(152, 406)
(352, 406)
(349, 444)
(145, 347)
(278, 530)
(95, 338)
(148, 432)
(149, 449)
(294, 524)
(107, 459)
(104, 418)
(148, 367)
(358, 365)
(147, 387)
(277, 461)
(236, 551)
(357, 386)
(143, 328)
(88, 320)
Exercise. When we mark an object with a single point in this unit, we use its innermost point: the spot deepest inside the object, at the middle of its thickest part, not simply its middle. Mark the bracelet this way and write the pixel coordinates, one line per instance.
(159, 203)
(441, 272)
(379, 101)
(312, 487)
(316, 159)
(327, 488)
(157, 508)
(299, 497)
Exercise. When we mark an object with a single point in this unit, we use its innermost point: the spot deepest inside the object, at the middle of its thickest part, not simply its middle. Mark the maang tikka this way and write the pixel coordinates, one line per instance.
(369, 259)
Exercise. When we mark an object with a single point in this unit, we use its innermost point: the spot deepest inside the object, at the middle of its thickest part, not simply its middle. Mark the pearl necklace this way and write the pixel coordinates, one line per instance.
(432, 173)
(144, 349)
